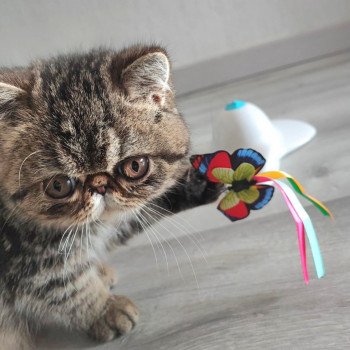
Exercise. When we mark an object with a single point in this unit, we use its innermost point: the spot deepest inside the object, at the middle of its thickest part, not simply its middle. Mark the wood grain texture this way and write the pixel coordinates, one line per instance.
(249, 293)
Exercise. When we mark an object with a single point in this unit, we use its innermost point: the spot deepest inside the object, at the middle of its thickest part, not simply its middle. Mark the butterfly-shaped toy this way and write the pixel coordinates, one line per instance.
(238, 171)
(247, 190)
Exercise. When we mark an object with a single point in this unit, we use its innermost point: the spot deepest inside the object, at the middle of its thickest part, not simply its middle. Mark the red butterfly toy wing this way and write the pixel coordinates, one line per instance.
(205, 163)
(233, 207)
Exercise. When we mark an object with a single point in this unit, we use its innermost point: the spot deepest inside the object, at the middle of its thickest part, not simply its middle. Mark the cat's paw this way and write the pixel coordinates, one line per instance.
(108, 275)
(120, 317)
(200, 190)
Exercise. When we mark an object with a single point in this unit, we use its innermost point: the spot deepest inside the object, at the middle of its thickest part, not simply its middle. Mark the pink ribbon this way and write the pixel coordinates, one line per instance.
(298, 221)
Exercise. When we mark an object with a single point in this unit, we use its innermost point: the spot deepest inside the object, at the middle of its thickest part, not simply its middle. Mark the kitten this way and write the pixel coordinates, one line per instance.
(88, 143)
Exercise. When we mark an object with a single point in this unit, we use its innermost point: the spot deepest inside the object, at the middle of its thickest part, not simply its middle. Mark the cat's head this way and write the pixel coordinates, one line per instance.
(87, 136)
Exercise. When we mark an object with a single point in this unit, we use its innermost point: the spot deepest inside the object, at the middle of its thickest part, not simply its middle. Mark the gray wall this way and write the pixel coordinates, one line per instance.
(194, 31)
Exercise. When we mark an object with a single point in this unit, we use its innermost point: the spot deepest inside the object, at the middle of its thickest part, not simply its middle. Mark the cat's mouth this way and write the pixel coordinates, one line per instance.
(99, 206)
(107, 208)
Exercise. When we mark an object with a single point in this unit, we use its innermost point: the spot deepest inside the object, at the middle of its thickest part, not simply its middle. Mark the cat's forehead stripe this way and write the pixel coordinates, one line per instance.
(79, 111)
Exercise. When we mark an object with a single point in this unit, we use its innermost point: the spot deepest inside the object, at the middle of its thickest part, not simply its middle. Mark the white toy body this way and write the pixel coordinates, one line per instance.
(244, 125)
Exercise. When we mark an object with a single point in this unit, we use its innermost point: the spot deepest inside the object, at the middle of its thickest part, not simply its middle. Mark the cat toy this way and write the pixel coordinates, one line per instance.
(248, 190)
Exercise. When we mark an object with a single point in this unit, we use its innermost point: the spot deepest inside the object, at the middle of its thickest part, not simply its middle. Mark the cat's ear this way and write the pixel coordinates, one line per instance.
(10, 98)
(148, 77)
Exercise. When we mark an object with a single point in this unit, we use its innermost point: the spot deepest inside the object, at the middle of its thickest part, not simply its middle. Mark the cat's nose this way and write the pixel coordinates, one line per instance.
(100, 189)
(97, 183)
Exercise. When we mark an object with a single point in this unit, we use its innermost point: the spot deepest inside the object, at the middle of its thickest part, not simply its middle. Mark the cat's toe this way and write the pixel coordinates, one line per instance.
(212, 192)
(108, 275)
(203, 191)
(120, 317)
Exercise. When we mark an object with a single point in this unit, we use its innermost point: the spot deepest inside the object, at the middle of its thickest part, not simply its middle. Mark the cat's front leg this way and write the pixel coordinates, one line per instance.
(102, 315)
(83, 301)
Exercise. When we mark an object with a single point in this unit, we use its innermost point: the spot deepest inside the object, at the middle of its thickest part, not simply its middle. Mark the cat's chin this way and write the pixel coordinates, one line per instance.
(107, 210)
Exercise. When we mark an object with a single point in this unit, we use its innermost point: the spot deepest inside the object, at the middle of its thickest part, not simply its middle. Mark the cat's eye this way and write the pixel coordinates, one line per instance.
(60, 186)
(134, 168)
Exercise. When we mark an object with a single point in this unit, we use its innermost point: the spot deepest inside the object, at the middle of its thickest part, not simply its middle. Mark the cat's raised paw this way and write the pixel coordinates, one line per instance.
(200, 190)
(119, 318)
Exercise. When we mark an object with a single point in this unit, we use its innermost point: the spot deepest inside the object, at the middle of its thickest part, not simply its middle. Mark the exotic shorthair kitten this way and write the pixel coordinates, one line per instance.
(87, 142)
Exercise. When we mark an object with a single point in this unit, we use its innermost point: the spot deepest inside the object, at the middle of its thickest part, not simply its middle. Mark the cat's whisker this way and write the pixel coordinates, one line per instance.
(87, 242)
(189, 234)
(170, 213)
(102, 225)
(185, 251)
(169, 245)
(183, 229)
(81, 242)
(168, 216)
(148, 237)
(67, 254)
(159, 241)
(61, 250)
(20, 168)
(66, 280)
(99, 225)
(89, 238)
(64, 233)
(120, 222)
(185, 222)
(70, 244)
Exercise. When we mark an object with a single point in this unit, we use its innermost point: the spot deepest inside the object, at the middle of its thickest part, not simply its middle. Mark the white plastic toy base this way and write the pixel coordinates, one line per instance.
(244, 125)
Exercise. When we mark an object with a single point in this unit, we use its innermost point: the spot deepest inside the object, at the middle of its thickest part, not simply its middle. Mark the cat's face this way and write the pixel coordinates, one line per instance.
(88, 137)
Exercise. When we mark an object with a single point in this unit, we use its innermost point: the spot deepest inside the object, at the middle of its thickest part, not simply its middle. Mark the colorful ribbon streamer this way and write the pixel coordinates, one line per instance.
(238, 170)
(277, 175)
(300, 216)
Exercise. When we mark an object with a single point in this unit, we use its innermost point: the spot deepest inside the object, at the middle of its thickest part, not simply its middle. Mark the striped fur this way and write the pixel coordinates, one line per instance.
(81, 115)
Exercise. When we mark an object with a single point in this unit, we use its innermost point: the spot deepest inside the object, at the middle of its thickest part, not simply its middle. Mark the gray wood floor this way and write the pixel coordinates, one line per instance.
(248, 292)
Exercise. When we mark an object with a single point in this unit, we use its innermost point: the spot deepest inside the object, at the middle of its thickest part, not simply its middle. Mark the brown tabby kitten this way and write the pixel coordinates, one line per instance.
(87, 143)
